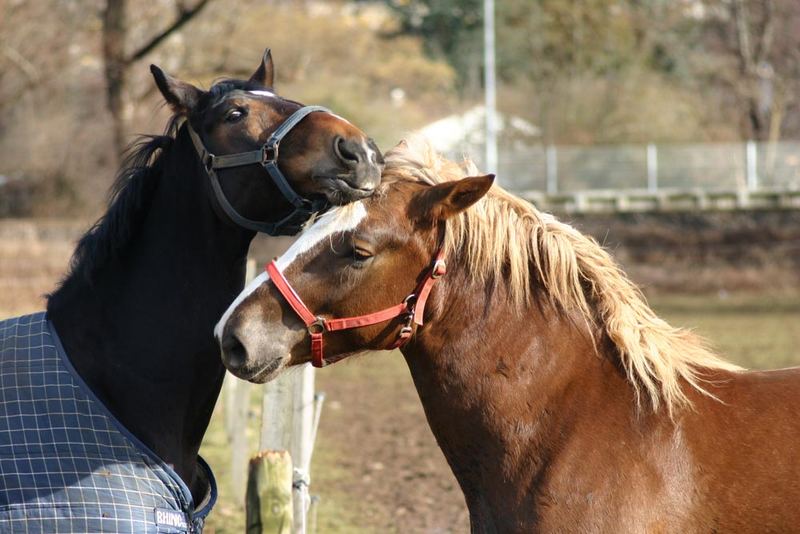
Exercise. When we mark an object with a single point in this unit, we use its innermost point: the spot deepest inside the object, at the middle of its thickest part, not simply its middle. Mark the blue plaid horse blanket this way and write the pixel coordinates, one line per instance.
(66, 464)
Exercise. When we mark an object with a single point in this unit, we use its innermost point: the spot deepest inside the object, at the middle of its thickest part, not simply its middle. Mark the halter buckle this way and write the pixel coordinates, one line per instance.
(269, 154)
(208, 161)
(407, 329)
(317, 327)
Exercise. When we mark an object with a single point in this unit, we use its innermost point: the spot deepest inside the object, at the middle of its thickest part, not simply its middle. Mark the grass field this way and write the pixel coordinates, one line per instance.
(377, 467)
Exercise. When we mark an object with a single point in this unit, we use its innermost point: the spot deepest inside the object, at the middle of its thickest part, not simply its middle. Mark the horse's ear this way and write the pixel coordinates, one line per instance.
(265, 73)
(181, 96)
(442, 201)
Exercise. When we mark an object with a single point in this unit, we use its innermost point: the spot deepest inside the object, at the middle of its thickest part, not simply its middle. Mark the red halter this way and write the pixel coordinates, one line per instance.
(412, 309)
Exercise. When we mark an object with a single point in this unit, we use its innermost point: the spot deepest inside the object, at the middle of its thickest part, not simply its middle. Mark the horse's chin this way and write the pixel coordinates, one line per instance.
(261, 374)
(342, 190)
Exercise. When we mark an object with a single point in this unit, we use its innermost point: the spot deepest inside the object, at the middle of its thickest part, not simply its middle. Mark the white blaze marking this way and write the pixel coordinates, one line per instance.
(263, 93)
(249, 288)
(337, 220)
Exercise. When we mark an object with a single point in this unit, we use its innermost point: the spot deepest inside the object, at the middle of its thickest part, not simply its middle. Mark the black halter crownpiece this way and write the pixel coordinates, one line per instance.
(267, 156)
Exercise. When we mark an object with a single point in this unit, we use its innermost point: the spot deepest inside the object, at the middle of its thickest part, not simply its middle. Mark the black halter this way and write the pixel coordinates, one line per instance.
(267, 156)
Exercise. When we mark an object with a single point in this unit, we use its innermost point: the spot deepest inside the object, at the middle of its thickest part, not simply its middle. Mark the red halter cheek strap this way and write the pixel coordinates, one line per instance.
(411, 309)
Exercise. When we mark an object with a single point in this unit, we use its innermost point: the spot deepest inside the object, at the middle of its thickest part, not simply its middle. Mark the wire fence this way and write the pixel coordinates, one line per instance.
(710, 166)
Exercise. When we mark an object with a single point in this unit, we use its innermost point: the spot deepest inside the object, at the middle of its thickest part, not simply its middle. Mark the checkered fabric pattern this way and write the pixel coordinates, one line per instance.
(66, 465)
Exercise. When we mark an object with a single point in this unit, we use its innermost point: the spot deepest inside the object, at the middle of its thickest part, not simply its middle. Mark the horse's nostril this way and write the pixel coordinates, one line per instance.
(234, 351)
(347, 151)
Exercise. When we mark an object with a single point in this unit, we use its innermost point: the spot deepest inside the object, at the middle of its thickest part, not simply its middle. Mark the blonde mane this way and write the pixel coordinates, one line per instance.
(504, 236)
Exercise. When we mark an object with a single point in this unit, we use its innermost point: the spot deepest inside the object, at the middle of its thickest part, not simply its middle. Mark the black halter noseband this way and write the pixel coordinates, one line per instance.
(267, 156)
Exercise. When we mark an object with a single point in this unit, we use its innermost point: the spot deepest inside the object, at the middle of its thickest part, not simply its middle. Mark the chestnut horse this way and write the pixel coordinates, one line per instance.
(560, 400)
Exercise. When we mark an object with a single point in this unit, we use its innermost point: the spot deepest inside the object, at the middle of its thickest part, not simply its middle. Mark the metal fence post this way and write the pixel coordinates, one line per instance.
(652, 168)
(751, 155)
(551, 156)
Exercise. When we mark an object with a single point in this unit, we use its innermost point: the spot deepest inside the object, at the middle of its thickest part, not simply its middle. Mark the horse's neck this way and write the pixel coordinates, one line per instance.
(140, 333)
(501, 392)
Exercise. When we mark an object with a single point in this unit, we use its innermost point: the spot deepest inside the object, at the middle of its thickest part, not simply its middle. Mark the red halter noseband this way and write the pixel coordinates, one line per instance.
(412, 309)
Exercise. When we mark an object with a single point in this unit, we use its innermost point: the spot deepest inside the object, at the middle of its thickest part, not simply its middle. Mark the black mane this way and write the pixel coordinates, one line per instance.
(130, 195)
(129, 200)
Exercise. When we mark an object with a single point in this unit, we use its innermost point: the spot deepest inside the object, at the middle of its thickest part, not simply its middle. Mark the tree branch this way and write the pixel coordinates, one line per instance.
(767, 33)
(743, 35)
(27, 68)
(184, 16)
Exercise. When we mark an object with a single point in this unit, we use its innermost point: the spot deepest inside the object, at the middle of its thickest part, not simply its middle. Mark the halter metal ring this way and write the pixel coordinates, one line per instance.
(317, 327)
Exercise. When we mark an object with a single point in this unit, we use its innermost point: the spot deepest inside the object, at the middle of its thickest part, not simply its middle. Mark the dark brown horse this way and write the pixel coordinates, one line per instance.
(128, 312)
(561, 402)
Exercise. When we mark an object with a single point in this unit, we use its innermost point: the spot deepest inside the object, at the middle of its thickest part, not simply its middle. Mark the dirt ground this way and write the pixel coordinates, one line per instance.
(375, 445)
(376, 465)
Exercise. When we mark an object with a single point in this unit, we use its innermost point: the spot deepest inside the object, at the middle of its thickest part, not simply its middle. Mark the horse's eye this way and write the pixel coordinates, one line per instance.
(361, 255)
(235, 115)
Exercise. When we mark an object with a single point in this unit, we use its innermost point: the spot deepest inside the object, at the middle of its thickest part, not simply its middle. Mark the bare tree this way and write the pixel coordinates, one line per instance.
(118, 62)
(762, 38)
(754, 37)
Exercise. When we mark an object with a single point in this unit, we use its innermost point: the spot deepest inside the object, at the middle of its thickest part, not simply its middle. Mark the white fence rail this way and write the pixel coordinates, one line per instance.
(643, 200)
(653, 167)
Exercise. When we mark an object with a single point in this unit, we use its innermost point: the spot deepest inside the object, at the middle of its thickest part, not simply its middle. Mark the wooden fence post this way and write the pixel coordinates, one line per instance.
(290, 416)
(237, 408)
(239, 398)
(269, 494)
(302, 444)
(269, 500)
(276, 414)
